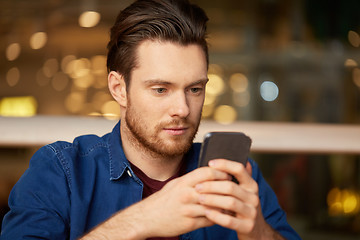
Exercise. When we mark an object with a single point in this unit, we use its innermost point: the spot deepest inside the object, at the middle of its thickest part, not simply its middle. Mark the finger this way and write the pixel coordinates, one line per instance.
(201, 222)
(241, 225)
(197, 215)
(236, 169)
(194, 210)
(228, 203)
(204, 174)
(249, 168)
(227, 188)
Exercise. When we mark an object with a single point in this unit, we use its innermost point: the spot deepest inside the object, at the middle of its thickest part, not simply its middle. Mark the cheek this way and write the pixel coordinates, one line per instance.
(196, 107)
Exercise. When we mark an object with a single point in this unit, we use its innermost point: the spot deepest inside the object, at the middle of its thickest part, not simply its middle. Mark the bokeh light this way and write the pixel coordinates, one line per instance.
(51, 66)
(354, 38)
(215, 86)
(98, 65)
(65, 61)
(79, 68)
(13, 51)
(209, 99)
(356, 76)
(13, 76)
(89, 19)
(216, 69)
(343, 202)
(84, 82)
(207, 111)
(18, 106)
(225, 114)
(99, 98)
(238, 82)
(38, 40)
(111, 110)
(350, 63)
(74, 102)
(269, 91)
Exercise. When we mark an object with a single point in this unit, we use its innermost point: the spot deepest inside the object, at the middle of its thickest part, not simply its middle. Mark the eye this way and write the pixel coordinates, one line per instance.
(160, 90)
(195, 90)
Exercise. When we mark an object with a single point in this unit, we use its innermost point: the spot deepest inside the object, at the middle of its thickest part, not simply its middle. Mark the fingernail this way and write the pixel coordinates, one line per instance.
(212, 163)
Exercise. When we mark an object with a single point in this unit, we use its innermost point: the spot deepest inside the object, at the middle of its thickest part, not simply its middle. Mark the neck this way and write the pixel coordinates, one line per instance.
(154, 165)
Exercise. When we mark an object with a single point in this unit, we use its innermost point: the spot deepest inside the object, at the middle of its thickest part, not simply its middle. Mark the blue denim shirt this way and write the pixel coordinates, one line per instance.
(69, 188)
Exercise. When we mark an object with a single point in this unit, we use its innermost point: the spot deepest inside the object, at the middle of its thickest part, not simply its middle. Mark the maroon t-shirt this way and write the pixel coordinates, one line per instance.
(151, 186)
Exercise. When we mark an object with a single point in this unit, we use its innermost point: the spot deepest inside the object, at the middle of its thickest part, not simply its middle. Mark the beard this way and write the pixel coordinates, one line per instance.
(148, 137)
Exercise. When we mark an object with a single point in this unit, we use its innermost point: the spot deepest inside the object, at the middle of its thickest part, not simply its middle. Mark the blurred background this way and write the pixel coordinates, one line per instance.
(271, 61)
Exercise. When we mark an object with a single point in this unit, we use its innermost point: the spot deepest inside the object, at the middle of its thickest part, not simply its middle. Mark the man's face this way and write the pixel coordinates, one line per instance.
(166, 96)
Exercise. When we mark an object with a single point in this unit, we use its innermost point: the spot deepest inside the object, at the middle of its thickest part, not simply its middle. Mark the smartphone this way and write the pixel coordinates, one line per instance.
(233, 146)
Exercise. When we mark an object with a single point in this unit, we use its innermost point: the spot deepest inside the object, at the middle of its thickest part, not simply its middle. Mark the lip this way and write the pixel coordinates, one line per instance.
(176, 130)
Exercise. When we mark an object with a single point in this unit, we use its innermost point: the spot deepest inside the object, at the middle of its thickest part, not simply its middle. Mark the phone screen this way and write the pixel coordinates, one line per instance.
(233, 146)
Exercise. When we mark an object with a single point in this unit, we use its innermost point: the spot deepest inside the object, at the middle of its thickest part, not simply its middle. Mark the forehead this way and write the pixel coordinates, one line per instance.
(169, 61)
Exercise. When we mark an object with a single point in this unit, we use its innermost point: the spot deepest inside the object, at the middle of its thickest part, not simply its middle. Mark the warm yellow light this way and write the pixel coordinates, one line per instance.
(333, 196)
(343, 202)
(38, 40)
(215, 86)
(354, 38)
(74, 102)
(78, 68)
(356, 76)
(13, 51)
(94, 114)
(207, 111)
(100, 82)
(215, 69)
(98, 64)
(13, 76)
(111, 109)
(225, 114)
(99, 98)
(350, 204)
(18, 106)
(84, 82)
(335, 209)
(350, 63)
(238, 82)
(65, 61)
(209, 99)
(51, 66)
(89, 19)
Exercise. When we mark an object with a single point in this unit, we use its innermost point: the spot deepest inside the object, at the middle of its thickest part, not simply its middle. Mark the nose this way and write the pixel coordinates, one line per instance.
(179, 106)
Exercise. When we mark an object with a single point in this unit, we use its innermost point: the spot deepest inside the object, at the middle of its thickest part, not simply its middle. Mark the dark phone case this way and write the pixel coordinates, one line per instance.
(228, 145)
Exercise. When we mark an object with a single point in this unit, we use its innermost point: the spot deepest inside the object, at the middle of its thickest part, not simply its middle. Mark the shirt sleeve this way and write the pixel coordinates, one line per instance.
(39, 202)
(274, 215)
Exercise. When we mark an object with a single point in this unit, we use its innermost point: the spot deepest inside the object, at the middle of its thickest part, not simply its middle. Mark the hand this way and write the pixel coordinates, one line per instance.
(241, 200)
(175, 209)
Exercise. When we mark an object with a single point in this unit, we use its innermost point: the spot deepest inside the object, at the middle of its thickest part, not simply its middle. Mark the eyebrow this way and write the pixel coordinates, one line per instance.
(164, 82)
(157, 81)
(202, 81)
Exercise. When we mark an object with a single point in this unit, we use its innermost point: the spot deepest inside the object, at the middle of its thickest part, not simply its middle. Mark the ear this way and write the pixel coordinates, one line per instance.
(117, 87)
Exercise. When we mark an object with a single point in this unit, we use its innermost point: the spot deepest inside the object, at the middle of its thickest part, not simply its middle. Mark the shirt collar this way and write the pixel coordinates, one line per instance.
(118, 161)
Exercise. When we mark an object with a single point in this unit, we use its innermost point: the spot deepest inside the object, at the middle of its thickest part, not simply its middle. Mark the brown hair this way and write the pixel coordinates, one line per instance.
(176, 21)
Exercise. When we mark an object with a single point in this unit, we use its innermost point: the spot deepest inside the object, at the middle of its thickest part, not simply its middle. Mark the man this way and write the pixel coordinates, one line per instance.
(141, 181)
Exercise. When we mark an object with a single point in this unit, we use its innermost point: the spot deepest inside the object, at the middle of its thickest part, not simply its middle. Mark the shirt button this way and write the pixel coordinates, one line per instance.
(129, 173)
